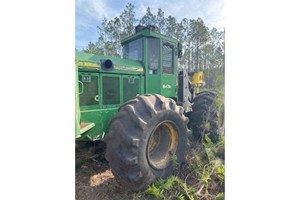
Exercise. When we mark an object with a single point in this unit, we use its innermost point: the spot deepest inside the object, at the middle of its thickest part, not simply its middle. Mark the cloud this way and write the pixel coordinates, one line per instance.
(90, 13)
(215, 14)
(212, 12)
(95, 8)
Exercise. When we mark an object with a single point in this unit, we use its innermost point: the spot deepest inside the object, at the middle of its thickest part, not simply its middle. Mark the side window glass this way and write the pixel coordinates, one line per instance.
(153, 54)
(134, 50)
(168, 58)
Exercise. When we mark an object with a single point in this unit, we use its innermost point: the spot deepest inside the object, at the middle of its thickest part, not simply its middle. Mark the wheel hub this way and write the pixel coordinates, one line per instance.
(162, 144)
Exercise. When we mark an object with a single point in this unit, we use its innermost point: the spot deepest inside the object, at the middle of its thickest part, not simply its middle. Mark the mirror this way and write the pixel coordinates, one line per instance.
(179, 50)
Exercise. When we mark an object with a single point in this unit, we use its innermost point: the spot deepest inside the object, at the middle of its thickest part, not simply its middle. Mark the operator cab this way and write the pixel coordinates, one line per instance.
(146, 46)
(158, 54)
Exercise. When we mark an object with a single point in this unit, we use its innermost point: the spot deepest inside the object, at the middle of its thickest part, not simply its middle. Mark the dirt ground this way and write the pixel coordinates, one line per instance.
(94, 180)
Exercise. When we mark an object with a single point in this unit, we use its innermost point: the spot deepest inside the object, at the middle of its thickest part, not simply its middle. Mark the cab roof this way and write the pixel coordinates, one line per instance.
(146, 32)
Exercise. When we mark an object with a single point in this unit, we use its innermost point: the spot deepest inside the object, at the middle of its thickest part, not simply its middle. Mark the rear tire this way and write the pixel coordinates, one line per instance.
(142, 138)
(205, 117)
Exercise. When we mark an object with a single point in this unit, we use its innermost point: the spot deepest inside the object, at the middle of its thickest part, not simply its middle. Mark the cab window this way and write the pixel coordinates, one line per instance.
(153, 54)
(134, 50)
(167, 58)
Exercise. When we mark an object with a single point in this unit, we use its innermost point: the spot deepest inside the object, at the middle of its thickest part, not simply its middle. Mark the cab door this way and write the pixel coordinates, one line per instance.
(168, 68)
(153, 69)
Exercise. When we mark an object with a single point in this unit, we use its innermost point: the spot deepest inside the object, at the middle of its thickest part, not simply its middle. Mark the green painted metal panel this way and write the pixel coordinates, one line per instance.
(104, 110)
(77, 108)
(101, 118)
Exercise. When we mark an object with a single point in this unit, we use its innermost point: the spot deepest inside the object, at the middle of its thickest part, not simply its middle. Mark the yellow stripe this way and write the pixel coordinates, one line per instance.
(129, 68)
(91, 64)
(88, 64)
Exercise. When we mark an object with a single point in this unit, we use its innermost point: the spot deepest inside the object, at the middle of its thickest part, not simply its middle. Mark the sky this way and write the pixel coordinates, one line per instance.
(90, 13)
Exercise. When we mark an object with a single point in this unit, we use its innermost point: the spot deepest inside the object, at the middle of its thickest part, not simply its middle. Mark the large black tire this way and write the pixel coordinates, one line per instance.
(204, 119)
(142, 138)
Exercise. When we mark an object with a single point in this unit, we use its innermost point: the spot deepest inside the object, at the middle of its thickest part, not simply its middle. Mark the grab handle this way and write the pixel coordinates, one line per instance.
(81, 87)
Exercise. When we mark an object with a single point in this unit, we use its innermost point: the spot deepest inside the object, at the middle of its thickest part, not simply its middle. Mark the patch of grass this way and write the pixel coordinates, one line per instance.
(170, 188)
(202, 176)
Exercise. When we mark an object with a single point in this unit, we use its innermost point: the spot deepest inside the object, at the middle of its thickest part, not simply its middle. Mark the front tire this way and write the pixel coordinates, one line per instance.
(142, 139)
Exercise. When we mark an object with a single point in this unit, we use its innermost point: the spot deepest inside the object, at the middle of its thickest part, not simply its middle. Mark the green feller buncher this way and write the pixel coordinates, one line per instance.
(141, 106)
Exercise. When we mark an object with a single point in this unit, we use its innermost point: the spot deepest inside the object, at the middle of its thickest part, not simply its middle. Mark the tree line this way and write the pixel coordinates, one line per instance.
(203, 48)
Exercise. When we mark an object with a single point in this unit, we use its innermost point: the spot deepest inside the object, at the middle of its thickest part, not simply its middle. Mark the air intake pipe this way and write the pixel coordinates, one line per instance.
(107, 65)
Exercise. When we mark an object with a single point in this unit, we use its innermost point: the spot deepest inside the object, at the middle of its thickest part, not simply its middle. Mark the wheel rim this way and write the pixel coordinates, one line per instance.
(162, 144)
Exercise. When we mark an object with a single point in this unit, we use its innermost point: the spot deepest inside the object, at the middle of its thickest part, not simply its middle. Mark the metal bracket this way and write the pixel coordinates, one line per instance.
(131, 79)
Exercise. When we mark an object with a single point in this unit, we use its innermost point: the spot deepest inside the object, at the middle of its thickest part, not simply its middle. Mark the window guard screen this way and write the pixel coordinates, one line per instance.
(89, 87)
(111, 90)
(130, 88)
